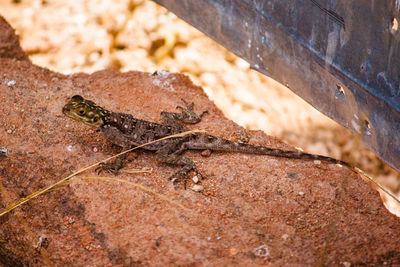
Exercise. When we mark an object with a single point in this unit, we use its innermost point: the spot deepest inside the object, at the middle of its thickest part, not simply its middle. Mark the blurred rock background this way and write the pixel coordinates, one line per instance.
(86, 36)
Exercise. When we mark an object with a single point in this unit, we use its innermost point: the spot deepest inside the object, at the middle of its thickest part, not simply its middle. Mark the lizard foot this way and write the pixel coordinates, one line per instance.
(112, 167)
(188, 114)
(182, 174)
(108, 167)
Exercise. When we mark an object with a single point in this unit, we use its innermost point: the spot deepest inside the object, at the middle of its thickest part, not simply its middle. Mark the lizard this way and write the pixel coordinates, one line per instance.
(126, 131)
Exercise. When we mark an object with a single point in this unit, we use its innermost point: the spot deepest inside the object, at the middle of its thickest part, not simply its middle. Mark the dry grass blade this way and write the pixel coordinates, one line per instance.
(376, 184)
(21, 201)
(144, 188)
(132, 171)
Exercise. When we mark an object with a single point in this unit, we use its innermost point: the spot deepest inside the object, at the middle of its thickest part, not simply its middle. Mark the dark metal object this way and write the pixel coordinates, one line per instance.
(341, 56)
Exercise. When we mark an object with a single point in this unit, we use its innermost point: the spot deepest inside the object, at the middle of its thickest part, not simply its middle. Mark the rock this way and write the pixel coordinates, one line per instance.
(249, 202)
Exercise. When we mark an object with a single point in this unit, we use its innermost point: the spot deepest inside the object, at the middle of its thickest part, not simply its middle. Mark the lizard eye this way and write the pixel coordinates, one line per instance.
(77, 98)
(95, 119)
(81, 112)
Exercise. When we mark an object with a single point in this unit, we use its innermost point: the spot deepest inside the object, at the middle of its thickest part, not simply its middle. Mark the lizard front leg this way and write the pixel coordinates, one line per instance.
(187, 115)
(116, 137)
(112, 167)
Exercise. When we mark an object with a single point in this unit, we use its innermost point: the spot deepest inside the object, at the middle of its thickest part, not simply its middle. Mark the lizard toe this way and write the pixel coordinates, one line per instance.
(183, 175)
(107, 167)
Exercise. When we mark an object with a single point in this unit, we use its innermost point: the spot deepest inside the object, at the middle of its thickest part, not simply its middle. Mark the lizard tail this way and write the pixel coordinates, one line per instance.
(214, 143)
(204, 141)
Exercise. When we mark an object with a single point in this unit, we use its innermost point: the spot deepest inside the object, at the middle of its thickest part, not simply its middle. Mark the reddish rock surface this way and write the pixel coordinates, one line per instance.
(254, 210)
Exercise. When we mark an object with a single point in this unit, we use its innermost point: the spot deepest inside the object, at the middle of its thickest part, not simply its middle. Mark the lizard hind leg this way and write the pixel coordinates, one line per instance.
(183, 173)
(168, 155)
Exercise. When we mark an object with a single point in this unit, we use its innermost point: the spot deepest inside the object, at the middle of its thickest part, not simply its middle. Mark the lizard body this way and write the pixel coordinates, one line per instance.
(127, 132)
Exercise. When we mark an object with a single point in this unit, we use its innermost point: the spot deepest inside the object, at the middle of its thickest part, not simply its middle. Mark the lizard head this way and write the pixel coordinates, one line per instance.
(85, 111)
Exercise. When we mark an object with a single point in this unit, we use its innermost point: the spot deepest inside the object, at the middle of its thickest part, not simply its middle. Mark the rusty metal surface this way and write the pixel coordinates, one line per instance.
(341, 56)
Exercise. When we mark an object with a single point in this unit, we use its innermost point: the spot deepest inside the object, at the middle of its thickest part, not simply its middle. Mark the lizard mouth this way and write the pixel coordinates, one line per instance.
(65, 110)
(70, 114)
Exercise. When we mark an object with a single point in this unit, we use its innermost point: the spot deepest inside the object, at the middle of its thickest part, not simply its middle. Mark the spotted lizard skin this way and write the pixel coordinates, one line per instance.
(127, 131)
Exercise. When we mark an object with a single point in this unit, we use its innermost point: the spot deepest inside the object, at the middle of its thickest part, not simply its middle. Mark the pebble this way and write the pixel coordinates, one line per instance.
(195, 179)
(206, 153)
(233, 251)
(3, 151)
(197, 188)
(12, 82)
(261, 251)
